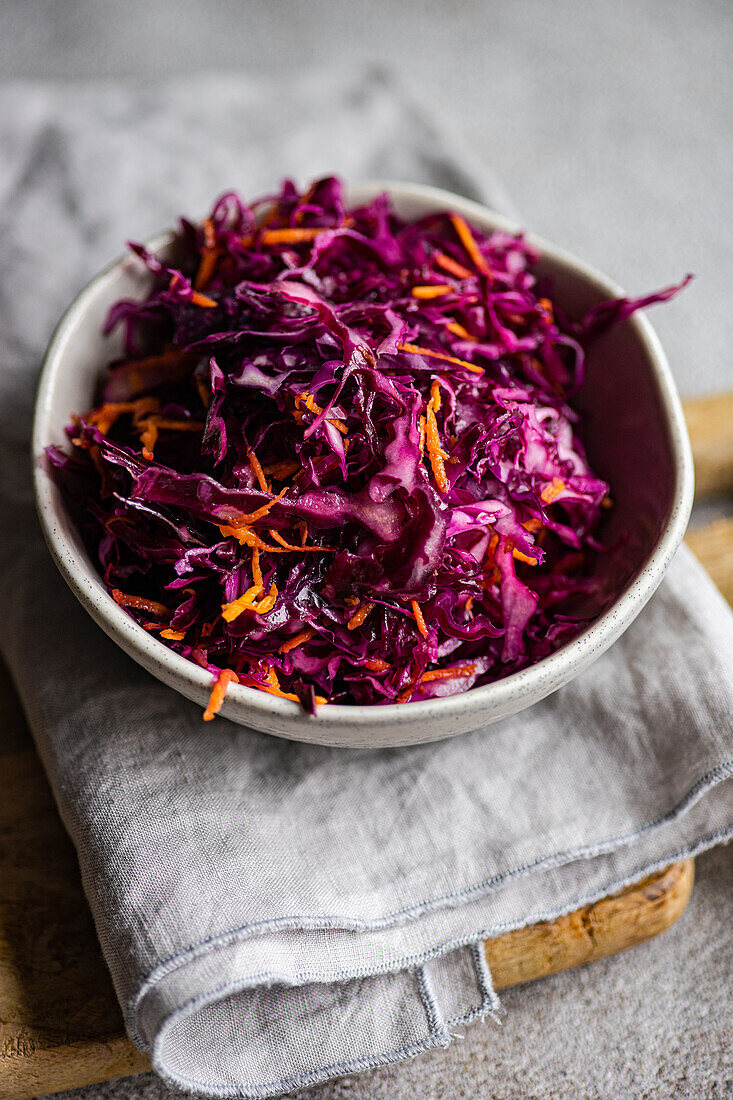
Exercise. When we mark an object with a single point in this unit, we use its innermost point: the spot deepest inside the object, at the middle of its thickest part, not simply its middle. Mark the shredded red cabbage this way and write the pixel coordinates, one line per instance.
(338, 461)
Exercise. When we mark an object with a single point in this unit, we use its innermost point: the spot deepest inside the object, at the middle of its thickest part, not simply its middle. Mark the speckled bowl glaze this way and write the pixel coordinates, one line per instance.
(634, 432)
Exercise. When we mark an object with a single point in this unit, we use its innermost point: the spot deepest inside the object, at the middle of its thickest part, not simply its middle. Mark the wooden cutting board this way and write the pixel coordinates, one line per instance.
(60, 1024)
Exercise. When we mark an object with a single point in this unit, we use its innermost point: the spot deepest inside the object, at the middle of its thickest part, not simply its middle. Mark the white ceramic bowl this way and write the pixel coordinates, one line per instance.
(636, 439)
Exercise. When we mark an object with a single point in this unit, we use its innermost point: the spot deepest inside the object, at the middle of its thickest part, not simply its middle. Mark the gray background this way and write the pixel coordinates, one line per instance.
(611, 126)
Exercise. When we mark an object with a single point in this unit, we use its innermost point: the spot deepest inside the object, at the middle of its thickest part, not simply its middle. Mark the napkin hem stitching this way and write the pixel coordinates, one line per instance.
(412, 962)
(303, 922)
(440, 1034)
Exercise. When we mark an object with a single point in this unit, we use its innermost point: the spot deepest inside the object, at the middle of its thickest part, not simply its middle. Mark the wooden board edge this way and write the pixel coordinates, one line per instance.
(607, 927)
(56, 1069)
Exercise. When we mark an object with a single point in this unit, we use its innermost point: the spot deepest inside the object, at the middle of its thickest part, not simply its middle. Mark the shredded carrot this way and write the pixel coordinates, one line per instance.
(257, 470)
(289, 546)
(419, 618)
(320, 700)
(448, 673)
(148, 439)
(205, 271)
(469, 606)
(265, 606)
(607, 502)
(105, 416)
(309, 401)
(458, 330)
(435, 452)
(272, 687)
(416, 350)
(152, 425)
(492, 574)
(435, 399)
(256, 571)
(169, 365)
(251, 517)
(434, 290)
(209, 256)
(272, 678)
(280, 470)
(231, 611)
(552, 491)
(139, 602)
(452, 266)
(547, 306)
(298, 639)
(523, 557)
(170, 357)
(533, 524)
(207, 630)
(247, 537)
(422, 435)
(291, 236)
(359, 616)
(467, 240)
(173, 635)
(203, 300)
(216, 699)
(175, 425)
(376, 664)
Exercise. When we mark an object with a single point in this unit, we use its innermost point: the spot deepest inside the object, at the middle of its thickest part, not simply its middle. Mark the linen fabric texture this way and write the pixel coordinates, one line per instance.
(274, 914)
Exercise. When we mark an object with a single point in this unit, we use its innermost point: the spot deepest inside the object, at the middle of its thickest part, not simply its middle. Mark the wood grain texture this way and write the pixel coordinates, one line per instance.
(60, 1025)
(607, 927)
(713, 546)
(710, 423)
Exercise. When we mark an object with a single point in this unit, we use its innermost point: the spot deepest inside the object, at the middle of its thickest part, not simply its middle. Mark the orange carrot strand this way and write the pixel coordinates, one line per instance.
(209, 256)
(376, 664)
(419, 618)
(467, 240)
(291, 236)
(432, 290)
(256, 570)
(139, 602)
(216, 699)
(298, 639)
(448, 673)
(458, 330)
(553, 490)
(520, 556)
(247, 601)
(257, 470)
(359, 616)
(435, 452)
(203, 301)
(415, 349)
(251, 517)
(289, 545)
(452, 266)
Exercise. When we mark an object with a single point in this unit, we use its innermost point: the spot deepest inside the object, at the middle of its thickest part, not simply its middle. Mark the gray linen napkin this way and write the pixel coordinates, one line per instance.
(274, 914)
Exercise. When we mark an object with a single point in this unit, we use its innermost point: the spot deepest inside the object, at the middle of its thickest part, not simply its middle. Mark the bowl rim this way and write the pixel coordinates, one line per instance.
(535, 681)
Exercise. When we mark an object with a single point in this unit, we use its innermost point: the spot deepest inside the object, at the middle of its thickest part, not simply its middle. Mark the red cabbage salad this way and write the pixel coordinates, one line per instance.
(339, 461)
